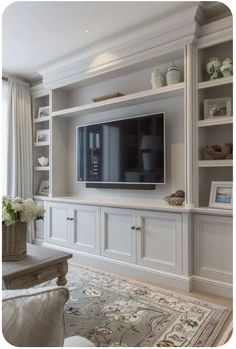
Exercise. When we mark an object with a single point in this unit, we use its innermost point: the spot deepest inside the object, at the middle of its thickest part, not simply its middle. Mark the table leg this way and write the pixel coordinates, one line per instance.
(61, 280)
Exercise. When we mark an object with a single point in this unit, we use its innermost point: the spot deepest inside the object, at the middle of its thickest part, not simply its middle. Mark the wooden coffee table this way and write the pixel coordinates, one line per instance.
(39, 265)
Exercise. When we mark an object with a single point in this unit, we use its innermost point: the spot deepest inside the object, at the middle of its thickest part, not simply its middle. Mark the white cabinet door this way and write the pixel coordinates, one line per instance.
(85, 226)
(213, 247)
(118, 235)
(159, 241)
(58, 223)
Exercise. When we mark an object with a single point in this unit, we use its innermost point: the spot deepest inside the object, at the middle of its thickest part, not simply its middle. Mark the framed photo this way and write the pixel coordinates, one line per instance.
(43, 112)
(42, 136)
(44, 188)
(221, 195)
(217, 107)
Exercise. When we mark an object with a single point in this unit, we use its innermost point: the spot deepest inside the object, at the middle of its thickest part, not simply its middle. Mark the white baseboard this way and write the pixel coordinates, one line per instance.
(218, 288)
(132, 271)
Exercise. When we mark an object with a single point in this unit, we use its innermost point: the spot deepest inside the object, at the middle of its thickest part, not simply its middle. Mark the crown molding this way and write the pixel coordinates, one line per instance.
(38, 91)
(137, 46)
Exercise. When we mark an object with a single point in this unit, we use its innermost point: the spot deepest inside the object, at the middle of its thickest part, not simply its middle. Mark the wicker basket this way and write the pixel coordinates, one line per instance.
(14, 241)
(174, 201)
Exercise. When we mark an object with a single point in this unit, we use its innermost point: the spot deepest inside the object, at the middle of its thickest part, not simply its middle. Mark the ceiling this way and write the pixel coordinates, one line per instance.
(35, 33)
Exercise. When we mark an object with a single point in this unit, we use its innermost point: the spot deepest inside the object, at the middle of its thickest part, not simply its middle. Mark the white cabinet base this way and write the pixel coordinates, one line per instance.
(132, 271)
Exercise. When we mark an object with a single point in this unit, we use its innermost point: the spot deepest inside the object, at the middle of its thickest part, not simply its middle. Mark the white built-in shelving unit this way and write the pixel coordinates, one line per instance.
(212, 131)
(40, 98)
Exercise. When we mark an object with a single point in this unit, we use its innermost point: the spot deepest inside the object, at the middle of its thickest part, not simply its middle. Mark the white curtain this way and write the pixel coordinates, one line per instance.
(18, 137)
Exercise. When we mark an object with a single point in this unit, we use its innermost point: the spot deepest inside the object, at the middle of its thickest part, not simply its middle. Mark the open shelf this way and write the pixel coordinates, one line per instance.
(215, 121)
(124, 101)
(215, 163)
(42, 168)
(39, 120)
(41, 144)
(215, 82)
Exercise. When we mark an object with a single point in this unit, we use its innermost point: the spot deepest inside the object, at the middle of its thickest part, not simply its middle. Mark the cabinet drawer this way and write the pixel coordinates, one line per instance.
(33, 278)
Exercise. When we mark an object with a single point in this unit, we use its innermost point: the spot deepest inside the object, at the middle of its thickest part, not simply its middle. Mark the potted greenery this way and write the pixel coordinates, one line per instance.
(16, 213)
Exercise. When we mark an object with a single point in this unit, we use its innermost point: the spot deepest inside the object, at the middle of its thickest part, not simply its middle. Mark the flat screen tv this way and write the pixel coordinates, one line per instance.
(130, 150)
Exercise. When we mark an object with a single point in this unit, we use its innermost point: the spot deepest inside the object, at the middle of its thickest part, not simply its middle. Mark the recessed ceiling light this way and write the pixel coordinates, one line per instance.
(87, 30)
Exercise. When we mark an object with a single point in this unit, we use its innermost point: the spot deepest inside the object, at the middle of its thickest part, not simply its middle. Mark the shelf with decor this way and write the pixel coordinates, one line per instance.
(40, 120)
(215, 163)
(41, 131)
(216, 82)
(42, 168)
(227, 120)
(123, 101)
(214, 118)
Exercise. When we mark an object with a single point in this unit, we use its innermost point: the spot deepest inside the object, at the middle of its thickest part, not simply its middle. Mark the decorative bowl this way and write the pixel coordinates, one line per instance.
(174, 200)
(43, 161)
(218, 152)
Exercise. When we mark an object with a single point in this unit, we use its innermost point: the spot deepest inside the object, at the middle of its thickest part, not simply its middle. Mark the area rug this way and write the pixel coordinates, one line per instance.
(114, 311)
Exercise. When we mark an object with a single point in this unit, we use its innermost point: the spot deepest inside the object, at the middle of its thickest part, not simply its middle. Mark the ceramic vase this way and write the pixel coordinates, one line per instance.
(173, 75)
(157, 79)
(227, 67)
(213, 68)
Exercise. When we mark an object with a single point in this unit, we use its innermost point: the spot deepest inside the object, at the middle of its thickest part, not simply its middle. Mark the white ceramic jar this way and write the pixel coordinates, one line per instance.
(157, 79)
(173, 75)
(227, 67)
(213, 68)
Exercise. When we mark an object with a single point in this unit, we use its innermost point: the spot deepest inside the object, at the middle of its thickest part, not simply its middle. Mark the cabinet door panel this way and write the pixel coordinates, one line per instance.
(86, 234)
(213, 247)
(57, 224)
(118, 240)
(159, 241)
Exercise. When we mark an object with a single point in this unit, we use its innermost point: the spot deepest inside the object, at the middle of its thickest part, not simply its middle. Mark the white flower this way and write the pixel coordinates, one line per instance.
(17, 207)
(17, 200)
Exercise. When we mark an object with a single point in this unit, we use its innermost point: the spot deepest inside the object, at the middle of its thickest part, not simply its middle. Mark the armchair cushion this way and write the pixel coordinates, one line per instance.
(34, 317)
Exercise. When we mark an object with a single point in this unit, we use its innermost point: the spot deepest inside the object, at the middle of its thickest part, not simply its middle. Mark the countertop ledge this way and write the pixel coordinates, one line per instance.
(132, 204)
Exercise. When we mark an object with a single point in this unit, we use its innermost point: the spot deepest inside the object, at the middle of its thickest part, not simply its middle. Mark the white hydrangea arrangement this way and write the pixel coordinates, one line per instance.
(15, 210)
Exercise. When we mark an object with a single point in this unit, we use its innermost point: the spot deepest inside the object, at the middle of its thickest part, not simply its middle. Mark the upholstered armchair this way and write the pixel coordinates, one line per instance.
(34, 317)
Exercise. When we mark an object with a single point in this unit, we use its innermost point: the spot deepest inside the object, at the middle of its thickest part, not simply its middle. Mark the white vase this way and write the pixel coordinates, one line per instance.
(157, 79)
(173, 75)
(227, 67)
(213, 68)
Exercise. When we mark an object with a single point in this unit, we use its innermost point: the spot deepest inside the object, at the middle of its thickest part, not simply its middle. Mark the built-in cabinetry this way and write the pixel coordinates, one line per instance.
(73, 226)
(41, 134)
(213, 253)
(211, 128)
(148, 239)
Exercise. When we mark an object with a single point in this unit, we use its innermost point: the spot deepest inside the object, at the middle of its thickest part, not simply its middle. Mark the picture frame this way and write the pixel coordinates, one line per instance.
(221, 195)
(43, 112)
(44, 188)
(42, 136)
(217, 107)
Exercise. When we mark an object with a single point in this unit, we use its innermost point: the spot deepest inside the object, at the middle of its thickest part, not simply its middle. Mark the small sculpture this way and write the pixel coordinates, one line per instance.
(173, 75)
(213, 68)
(227, 67)
(43, 161)
(157, 79)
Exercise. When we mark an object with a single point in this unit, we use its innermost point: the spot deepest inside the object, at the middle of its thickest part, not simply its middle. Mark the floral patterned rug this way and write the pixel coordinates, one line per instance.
(114, 311)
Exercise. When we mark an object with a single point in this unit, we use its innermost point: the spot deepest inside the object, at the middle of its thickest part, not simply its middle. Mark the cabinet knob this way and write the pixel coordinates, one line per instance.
(138, 228)
(67, 218)
(71, 218)
(132, 227)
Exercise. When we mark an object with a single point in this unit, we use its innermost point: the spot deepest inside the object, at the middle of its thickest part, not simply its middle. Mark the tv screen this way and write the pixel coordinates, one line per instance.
(128, 150)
